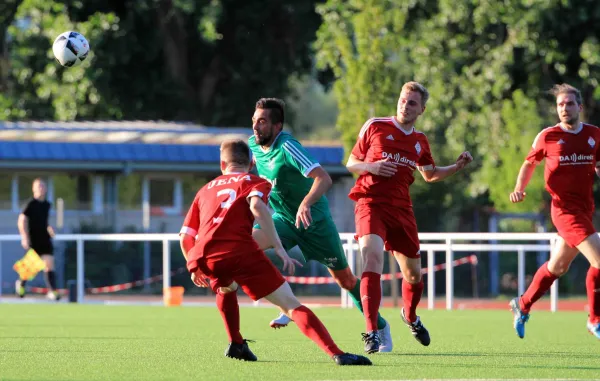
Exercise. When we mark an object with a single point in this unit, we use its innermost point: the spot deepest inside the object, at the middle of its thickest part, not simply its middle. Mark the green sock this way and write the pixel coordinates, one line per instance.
(355, 295)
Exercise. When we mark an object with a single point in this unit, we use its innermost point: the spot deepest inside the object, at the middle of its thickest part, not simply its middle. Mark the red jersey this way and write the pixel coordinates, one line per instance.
(220, 216)
(571, 157)
(381, 138)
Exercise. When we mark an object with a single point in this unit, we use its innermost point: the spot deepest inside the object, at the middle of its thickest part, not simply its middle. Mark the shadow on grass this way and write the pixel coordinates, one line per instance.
(499, 354)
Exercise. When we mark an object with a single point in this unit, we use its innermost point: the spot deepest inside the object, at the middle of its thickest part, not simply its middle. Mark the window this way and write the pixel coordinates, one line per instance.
(191, 184)
(5, 191)
(162, 192)
(75, 190)
(130, 192)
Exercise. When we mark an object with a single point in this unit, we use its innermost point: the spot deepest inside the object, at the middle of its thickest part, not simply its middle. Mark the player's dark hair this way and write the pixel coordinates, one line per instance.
(235, 151)
(276, 107)
(565, 88)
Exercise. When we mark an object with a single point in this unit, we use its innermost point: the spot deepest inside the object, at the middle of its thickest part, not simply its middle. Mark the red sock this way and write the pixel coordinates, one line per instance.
(411, 295)
(230, 312)
(592, 284)
(542, 280)
(311, 327)
(370, 296)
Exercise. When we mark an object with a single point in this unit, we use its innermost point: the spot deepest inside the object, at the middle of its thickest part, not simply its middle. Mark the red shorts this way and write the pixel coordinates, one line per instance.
(396, 226)
(573, 227)
(253, 272)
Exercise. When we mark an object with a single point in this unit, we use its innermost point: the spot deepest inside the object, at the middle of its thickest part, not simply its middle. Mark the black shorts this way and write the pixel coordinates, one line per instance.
(43, 247)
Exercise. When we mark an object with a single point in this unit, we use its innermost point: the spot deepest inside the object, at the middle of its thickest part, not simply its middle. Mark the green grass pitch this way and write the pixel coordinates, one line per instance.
(96, 342)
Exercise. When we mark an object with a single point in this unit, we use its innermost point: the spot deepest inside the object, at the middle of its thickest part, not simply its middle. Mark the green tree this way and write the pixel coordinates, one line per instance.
(206, 60)
(487, 66)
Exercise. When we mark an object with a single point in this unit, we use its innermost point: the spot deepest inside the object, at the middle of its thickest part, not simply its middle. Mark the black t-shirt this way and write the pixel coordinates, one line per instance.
(37, 219)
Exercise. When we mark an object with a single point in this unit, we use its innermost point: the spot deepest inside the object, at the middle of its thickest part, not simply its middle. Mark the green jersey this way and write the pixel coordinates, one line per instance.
(286, 165)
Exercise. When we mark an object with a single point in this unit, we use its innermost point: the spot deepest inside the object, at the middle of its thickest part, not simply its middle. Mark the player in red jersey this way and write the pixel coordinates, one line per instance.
(572, 158)
(385, 156)
(216, 240)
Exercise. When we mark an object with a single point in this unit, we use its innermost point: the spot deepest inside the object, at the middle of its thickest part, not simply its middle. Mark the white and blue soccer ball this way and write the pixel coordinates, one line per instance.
(70, 48)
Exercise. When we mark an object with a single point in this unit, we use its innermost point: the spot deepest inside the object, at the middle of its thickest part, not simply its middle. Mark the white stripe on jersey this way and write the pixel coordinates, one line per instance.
(296, 154)
(189, 231)
(309, 169)
(255, 193)
(369, 122)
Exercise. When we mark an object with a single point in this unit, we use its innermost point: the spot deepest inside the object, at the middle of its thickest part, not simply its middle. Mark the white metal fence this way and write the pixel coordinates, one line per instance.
(450, 243)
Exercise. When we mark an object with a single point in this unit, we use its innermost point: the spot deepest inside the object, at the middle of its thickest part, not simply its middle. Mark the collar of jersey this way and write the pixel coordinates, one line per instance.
(272, 144)
(574, 132)
(398, 126)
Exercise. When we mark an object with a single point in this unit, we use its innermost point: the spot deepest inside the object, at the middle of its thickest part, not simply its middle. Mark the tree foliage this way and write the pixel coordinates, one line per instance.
(487, 66)
(205, 60)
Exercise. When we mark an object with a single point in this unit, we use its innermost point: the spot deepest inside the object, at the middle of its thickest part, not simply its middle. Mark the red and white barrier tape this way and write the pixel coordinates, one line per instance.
(291, 279)
(329, 280)
(114, 288)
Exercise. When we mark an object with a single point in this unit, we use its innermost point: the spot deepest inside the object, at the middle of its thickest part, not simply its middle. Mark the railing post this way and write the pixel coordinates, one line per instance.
(449, 275)
(80, 271)
(1, 258)
(430, 279)
(351, 258)
(554, 287)
(394, 286)
(166, 251)
(554, 296)
(521, 272)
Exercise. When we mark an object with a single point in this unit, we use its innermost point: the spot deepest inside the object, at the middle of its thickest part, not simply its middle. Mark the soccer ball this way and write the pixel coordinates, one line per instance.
(70, 48)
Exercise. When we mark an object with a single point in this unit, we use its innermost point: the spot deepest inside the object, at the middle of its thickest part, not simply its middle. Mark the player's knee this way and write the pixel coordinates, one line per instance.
(231, 288)
(558, 268)
(412, 277)
(372, 259)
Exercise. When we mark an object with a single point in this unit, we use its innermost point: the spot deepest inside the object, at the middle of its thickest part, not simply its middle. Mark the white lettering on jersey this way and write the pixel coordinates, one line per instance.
(233, 179)
(399, 159)
(576, 159)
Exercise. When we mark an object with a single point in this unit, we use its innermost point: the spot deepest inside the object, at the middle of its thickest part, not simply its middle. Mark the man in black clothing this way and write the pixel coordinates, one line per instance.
(36, 234)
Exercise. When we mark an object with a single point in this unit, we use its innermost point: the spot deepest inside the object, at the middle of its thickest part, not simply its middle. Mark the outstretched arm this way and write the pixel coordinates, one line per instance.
(440, 173)
(523, 179)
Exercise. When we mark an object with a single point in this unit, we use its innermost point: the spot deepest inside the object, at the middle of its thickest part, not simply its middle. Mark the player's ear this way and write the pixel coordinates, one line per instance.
(223, 166)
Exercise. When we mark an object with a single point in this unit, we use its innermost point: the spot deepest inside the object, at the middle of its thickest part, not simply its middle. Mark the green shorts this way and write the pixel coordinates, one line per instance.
(320, 242)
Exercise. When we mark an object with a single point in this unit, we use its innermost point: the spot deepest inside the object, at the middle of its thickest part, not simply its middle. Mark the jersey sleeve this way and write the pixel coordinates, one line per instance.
(260, 188)
(191, 224)
(298, 157)
(27, 209)
(363, 142)
(425, 161)
(537, 153)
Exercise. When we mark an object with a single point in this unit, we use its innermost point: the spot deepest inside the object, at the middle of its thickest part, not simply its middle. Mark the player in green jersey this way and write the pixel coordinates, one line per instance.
(301, 210)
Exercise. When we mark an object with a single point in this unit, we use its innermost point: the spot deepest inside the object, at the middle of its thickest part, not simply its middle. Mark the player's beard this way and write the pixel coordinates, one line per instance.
(264, 138)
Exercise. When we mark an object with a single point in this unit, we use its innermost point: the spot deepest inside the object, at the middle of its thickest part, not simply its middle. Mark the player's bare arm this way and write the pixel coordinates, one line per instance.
(186, 242)
(525, 173)
(262, 214)
(440, 173)
(321, 185)
(384, 167)
(22, 224)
